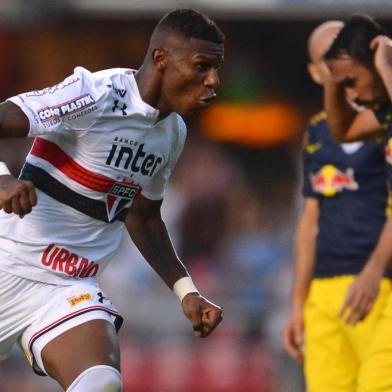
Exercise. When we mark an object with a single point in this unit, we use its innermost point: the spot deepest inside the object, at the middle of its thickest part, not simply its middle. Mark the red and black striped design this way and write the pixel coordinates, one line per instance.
(53, 154)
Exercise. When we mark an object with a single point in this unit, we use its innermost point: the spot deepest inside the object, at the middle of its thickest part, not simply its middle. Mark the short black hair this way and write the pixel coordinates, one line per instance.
(355, 38)
(191, 24)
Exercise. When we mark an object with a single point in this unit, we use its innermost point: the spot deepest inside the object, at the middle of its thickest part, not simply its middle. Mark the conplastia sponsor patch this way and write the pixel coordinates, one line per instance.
(66, 108)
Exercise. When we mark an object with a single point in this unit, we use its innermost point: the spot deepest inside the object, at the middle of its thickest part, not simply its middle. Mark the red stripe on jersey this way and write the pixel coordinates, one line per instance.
(52, 153)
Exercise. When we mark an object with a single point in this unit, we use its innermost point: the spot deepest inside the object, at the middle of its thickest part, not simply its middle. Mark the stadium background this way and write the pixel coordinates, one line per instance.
(233, 200)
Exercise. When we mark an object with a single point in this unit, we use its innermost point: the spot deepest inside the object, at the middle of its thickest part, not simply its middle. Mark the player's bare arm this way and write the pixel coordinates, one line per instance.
(16, 196)
(148, 231)
(382, 46)
(305, 243)
(13, 122)
(346, 123)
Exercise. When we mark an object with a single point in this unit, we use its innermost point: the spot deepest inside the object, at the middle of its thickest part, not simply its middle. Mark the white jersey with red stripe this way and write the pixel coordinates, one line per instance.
(97, 146)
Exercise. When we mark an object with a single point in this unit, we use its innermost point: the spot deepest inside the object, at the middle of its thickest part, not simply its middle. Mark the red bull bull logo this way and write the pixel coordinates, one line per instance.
(388, 151)
(329, 180)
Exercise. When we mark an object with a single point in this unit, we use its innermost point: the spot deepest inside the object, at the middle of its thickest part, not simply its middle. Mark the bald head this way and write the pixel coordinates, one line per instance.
(321, 39)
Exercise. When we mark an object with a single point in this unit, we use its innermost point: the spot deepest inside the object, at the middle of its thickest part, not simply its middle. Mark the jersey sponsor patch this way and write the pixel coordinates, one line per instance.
(329, 180)
(119, 197)
(75, 105)
(62, 260)
(77, 299)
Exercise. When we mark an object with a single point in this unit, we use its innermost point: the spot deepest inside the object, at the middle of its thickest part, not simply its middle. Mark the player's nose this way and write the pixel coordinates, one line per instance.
(212, 79)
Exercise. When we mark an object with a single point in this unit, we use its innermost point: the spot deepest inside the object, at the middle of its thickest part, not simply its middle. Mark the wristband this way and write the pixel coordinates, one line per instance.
(184, 286)
(4, 169)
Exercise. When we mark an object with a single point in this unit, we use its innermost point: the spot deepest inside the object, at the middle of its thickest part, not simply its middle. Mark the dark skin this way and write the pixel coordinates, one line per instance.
(178, 74)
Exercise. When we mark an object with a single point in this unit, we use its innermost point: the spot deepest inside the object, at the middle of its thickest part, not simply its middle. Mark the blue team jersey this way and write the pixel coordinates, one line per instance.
(349, 180)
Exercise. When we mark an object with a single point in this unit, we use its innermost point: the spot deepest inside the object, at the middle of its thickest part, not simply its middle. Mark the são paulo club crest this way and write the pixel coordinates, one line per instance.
(120, 197)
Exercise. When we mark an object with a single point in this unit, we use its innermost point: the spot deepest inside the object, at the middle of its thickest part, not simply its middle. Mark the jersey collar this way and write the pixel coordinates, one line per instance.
(146, 109)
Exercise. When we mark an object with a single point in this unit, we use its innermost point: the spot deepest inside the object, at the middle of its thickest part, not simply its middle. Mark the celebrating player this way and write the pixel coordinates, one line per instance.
(105, 146)
(339, 291)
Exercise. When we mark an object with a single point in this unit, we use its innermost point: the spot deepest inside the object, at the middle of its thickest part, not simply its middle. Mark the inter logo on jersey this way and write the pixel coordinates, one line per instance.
(138, 161)
(77, 104)
(120, 196)
(329, 180)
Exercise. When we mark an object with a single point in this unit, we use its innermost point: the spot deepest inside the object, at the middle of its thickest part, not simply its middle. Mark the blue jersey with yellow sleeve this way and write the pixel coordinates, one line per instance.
(349, 181)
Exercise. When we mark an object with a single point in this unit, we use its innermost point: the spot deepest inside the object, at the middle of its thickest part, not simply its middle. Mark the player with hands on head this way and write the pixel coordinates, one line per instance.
(105, 146)
(360, 64)
(342, 182)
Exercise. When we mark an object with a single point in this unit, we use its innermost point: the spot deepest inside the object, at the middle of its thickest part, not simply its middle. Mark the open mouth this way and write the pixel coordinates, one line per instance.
(206, 101)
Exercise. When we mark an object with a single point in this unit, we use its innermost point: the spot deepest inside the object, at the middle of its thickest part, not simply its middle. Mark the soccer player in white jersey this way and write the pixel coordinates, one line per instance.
(105, 146)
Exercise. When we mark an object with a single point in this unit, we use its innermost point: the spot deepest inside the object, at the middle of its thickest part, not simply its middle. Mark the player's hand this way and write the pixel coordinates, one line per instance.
(203, 314)
(361, 295)
(16, 196)
(382, 47)
(293, 335)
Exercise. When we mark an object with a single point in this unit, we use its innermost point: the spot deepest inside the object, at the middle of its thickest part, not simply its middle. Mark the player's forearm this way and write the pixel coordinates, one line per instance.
(303, 270)
(340, 114)
(305, 244)
(153, 242)
(386, 76)
(382, 254)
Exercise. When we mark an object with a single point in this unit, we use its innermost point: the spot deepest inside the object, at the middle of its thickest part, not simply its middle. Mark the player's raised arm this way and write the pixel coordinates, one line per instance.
(13, 122)
(16, 196)
(148, 231)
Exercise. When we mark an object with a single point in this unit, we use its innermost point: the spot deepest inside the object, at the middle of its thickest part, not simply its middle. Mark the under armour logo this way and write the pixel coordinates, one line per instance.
(117, 107)
(120, 91)
(101, 297)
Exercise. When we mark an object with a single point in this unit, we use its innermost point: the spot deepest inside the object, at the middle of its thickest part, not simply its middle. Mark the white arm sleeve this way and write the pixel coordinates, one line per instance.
(75, 103)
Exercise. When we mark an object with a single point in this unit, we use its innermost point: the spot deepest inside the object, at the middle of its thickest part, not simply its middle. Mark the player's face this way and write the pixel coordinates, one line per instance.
(191, 75)
(362, 85)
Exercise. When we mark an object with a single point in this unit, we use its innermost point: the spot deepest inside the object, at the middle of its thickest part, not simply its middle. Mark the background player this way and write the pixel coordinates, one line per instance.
(360, 61)
(342, 182)
(106, 145)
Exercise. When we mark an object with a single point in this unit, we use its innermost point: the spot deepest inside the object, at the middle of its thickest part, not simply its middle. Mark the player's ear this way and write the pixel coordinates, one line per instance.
(314, 74)
(159, 58)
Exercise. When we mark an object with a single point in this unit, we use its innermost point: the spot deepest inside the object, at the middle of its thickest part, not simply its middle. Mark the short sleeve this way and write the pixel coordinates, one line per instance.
(155, 189)
(73, 104)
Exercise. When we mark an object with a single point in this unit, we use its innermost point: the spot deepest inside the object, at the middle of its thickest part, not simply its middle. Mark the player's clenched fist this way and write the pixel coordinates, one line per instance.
(16, 196)
(203, 314)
